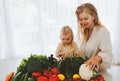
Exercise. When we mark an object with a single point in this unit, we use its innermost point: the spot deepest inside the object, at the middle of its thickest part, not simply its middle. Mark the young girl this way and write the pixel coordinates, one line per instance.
(67, 47)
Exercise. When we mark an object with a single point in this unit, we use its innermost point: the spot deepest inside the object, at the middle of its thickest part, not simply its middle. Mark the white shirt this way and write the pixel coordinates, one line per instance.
(99, 44)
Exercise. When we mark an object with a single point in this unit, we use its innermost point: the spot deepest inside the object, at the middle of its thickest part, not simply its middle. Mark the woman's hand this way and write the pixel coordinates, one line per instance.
(93, 62)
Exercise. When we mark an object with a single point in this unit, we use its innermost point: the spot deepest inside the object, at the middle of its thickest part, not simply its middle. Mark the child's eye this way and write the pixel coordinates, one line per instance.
(86, 18)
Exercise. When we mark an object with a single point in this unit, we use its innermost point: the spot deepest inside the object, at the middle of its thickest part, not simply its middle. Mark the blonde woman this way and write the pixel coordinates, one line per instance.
(67, 47)
(94, 37)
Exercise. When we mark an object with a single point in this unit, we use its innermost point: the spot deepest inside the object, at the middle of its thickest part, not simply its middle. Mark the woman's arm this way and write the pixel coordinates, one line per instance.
(105, 48)
(104, 55)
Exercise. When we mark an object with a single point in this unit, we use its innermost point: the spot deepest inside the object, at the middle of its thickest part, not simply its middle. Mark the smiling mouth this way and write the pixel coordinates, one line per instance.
(84, 24)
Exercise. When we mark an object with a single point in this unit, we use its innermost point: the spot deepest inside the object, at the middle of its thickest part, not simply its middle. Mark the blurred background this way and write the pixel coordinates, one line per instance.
(33, 26)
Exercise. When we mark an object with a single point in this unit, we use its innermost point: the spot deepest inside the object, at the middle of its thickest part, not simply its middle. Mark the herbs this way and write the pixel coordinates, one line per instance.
(36, 63)
(23, 66)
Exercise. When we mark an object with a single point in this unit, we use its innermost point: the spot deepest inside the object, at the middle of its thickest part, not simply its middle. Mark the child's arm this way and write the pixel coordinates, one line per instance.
(59, 52)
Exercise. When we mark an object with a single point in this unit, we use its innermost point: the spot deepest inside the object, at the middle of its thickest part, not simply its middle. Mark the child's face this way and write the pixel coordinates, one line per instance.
(66, 39)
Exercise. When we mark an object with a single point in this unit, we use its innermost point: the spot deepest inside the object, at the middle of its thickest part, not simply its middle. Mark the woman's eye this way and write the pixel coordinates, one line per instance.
(68, 39)
(63, 39)
(80, 19)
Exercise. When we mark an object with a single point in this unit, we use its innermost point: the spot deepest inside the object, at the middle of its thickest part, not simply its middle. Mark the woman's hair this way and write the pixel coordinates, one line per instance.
(90, 9)
(66, 30)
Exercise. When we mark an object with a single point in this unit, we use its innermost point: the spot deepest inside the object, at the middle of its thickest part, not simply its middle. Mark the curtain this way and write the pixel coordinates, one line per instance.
(116, 42)
(33, 26)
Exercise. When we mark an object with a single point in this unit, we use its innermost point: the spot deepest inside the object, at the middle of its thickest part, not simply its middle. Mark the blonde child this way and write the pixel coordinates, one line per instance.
(67, 47)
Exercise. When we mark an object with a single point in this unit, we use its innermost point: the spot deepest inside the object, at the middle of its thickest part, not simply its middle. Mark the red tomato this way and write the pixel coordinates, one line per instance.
(53, 78)
(101, 80)
(36, 74)
(96, 79)
(46, 73)
(100, 77)
(54, 71)
(92, 80)
(42, 78)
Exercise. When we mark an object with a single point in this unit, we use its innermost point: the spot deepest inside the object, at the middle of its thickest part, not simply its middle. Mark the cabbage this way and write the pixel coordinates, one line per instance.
(86, 73)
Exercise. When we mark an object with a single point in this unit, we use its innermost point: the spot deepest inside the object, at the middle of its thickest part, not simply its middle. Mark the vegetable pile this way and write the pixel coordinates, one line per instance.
(43, 68)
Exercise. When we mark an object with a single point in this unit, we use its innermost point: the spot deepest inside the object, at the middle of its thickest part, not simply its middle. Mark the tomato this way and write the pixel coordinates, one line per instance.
(53, 78)
(36, 74)
(46, 73)
(54, 71)
(42, 78)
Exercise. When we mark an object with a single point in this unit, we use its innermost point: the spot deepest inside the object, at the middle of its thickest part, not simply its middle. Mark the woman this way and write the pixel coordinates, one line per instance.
(95, 39)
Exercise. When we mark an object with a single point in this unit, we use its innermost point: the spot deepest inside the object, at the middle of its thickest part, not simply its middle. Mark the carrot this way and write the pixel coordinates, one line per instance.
(9, 76)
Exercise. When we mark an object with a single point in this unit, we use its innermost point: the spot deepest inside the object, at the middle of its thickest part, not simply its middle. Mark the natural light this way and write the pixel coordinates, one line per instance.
(33, 26)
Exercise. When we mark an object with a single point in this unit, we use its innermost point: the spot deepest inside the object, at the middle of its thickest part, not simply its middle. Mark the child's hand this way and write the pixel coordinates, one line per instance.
(77, 54)
(61, 55)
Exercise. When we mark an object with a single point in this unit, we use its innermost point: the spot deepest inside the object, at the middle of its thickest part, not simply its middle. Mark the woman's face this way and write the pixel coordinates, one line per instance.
(66, 39)
(86, 20)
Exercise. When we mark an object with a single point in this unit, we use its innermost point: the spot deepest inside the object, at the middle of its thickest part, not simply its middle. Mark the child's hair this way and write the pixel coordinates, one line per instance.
(66, 30)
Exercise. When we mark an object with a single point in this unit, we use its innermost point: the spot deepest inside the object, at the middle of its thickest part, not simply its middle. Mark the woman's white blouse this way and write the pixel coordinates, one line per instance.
(99, 44)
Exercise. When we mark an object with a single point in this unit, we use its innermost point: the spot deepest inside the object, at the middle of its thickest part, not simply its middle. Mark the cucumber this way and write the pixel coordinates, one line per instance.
(25, 77)
(22, 77)
(17, 76)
